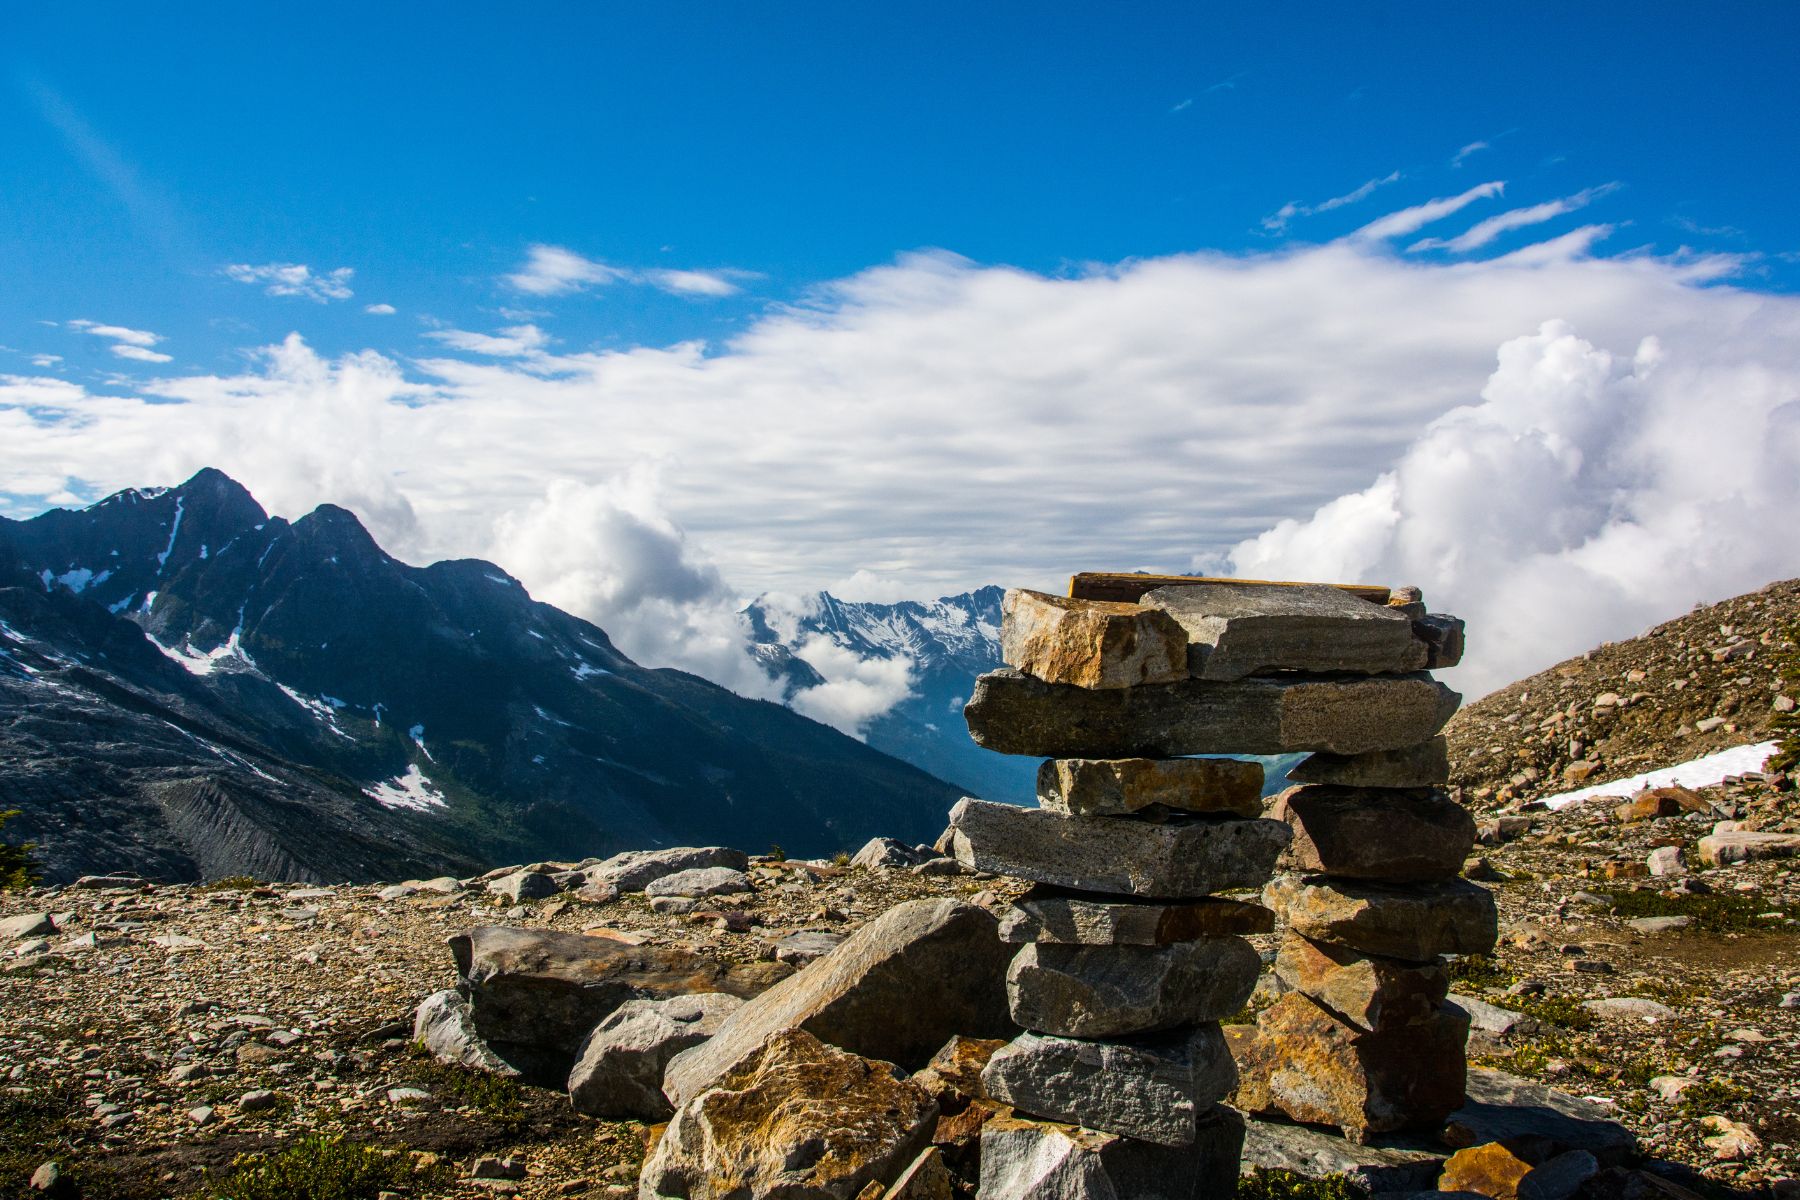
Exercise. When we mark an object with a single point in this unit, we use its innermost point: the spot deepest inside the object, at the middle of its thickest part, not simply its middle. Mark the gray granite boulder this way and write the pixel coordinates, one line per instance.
(1048, 914)
(1424, 765)
(634, 870)
(1046, 1160)
(697, 882)
(619, 1071)
(445, 1026)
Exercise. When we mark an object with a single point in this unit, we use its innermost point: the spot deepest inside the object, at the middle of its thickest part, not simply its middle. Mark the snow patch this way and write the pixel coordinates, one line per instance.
(412, 790)
(174, 531)
(582, 670)
(204, 662)
(1706, 771)
(324, 708)
(417, 734)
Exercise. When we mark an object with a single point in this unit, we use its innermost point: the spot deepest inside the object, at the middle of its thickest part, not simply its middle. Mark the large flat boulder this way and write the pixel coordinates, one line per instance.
(1424, 765)
(1049, 914)
(796, 1119)
(896, 989)
(1397, 835)
(1277, 1144)
(1014, 713)
(1180, 857)
(619, 1071)
(1302, 1060)
(1112, 991)
(1103, 787)
(1090, 643)
(1046, 1160)
(1741, 845)
(1156, 1087)
(535, 994)
(1416, 923)
(1365, 990)
(1234, 630)
(634, 870)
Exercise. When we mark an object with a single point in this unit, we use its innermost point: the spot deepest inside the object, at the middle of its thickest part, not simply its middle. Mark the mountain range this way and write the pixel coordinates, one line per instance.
(190, 688)
(948, 642)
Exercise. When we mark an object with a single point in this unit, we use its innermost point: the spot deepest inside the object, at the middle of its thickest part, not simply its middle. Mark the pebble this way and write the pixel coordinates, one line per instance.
(257, 1100)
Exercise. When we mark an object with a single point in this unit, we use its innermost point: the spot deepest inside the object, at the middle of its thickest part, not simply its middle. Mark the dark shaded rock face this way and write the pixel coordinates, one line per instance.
(191, 688)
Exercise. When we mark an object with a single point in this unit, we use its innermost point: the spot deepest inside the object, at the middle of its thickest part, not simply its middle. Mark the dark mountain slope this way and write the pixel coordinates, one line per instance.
(435, 708)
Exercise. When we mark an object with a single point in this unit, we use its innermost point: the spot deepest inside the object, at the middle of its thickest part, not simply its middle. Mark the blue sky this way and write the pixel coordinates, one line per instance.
(663, 306)
(425, 149)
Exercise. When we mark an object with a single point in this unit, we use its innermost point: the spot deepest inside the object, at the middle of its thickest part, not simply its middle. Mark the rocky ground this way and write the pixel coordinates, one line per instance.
(162, 1033)
(169, 1030)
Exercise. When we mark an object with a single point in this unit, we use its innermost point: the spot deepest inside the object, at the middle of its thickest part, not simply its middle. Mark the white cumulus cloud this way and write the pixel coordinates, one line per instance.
(379, 310)
(516, 341)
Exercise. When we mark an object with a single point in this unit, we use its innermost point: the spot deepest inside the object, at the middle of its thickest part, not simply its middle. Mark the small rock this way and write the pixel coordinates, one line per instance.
(1670, 1087)
(884, 852)
(26, 925)
(1732, 1141)
(1659, 924)
(48, 1178)
(801, 948)
(202, 1116)
(521, 886)
(408, 1095)
(260, 1100)
(489, 1166)
(1667, 860)
(1630, 1006)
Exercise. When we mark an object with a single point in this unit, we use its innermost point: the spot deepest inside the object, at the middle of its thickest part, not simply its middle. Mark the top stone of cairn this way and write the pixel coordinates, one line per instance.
(1234, 630)
(1090, 643)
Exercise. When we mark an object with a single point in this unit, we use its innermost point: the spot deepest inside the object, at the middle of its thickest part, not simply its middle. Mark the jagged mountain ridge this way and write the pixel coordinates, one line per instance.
(425, 716)
(949, 642)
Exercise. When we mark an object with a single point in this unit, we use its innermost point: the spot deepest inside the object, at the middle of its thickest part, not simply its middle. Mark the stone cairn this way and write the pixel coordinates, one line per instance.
(1129, 956)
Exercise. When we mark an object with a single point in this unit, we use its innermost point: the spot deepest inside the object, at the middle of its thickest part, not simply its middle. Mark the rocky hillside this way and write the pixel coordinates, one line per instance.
(1703, 682)
(190, 688)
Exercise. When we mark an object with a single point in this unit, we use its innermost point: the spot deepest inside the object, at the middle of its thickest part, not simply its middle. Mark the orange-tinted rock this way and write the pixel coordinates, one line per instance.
(1367, 991)
(798, 1119)
(1316, 1068)
(1416, 923)
(953, 1076)
(1090, 643)
(1489, 1170)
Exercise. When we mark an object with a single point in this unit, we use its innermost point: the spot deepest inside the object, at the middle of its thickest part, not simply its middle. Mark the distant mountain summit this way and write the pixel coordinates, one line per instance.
(949, 642)
(190, 687)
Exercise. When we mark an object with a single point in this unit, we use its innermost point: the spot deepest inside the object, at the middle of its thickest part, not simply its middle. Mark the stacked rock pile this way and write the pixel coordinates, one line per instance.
(1129, 956)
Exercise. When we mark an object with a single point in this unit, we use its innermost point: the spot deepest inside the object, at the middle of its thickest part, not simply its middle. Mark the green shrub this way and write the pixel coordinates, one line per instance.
(16, 868)
(316, 1168)
(231, 883)
(1478, 972)
(1710, 912)
(496, 1097)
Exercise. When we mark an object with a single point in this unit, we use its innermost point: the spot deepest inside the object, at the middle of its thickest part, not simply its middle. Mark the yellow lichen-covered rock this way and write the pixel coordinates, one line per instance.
(1304, 1061)
(1090, 643)
(1490, 1169)
(798, 1119)
(1367, 991)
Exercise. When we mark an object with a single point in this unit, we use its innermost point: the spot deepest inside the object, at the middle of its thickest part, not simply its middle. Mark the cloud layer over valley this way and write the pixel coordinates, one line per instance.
(1558, 446)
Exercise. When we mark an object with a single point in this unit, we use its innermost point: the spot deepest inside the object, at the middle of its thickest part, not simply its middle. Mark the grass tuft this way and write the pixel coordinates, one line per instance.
(319, 1167)
(1710, 912)
(1266, 1183)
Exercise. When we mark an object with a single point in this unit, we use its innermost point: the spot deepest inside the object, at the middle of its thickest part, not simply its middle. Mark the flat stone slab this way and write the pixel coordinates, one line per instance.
(1416, 922)
(1047, 914)
(1155, 1088)
(1113, 991)
(1181, 857)
(634, 870)
(1396, 835)
(896, 989)
(1365, 990)
(1424, 765)
(1015, 714)
(535, 994)
(1739, 846)
(1090, 643)
(1047, 1160)
(1234, 630)
(1500, 1106)
(1100, 787)
(1278, 1144)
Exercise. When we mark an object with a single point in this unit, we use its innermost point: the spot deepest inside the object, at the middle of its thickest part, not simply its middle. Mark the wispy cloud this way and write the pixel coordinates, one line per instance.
(1183, 106)
(1410, 220)
(1486, 231)
(515, 341)
(45, 360)
(127, 343)
(1278, 220)
(379, 310)
(1225, 85)
(557, 271)
(295, 279)
(554, 271)
(1471, 149)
